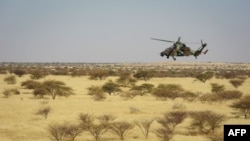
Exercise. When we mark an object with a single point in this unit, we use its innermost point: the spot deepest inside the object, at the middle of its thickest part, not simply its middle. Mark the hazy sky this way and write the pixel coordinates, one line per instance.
(120, 30)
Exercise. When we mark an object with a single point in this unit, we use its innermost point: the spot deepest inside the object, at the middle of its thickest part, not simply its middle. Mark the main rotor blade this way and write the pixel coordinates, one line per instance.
(191, 42)
(163, 40)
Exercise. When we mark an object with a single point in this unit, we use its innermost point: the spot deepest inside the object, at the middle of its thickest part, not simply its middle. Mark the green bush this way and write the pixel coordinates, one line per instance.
(111, 87)
(57, 88)
(53, 88)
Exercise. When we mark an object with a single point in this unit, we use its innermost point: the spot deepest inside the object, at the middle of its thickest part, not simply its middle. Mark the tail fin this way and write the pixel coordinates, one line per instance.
(205, 52)
(199, 51)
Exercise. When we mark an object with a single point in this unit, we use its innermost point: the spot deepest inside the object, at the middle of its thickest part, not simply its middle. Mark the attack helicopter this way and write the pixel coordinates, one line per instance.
(179, 49)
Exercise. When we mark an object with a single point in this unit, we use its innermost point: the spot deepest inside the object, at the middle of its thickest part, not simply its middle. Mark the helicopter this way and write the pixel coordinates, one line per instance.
(180, 49)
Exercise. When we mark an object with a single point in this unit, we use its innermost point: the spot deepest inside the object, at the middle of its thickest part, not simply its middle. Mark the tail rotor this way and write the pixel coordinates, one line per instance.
(199, 51)
(203, 44)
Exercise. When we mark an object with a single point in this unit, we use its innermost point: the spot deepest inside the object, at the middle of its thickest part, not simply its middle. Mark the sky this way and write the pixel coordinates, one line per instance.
(119, 31)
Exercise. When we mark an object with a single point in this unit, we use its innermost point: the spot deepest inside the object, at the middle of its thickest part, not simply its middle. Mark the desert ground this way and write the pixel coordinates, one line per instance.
(19, 121)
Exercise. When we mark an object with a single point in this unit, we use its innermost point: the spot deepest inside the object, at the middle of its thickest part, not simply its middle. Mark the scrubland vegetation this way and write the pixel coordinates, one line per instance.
(102, 102)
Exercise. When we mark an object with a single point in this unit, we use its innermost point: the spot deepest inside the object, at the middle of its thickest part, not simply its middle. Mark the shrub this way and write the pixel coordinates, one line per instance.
(228, 74)
(53, 88)
(179, 106)
(111, 87)
(242, 106)
(144, 88)
(198, 121)
(144, 126)
(86, 121)
(209, 98)
(125, 80)
(31, 84)
(216, 136)
(228, 95)
(78, 72)
(44, 112)
(37, 74)
(39, 92)
(214, 120)
(97, 93)
(98, 74)
(106, 119)
(168, 123)
(59, 71)
(206, 121)
(189, 96)
(72, 131)
(8, 92)
(216, 88)
(19, 72)
(121, 129)
(171, 91)
(57, 132)
(143, 75)
(3, 69)
(224, 95)
(237, 82)
(203, 77)
(163, 133)
(130, 94)
(64, 132)
(96, 129)
(134, 110)
(10, 79)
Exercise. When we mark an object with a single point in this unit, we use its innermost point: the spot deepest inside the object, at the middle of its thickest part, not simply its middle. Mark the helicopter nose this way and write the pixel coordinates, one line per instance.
(162, 54)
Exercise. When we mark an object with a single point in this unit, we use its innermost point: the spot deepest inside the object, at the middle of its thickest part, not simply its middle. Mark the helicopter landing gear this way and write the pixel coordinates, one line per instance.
(173, 58)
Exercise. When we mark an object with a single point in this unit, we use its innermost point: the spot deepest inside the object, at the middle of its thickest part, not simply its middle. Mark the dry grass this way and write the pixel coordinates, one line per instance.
(18, 120)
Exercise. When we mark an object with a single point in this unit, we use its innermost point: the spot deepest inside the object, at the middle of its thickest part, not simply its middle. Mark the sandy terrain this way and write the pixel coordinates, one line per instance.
(18, 121)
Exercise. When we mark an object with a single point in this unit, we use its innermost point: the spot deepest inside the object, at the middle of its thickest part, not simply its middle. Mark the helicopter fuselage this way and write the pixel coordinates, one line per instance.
(180, 49)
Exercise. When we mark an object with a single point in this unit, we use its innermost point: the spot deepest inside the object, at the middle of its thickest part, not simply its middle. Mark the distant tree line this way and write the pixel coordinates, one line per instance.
(100, 73)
